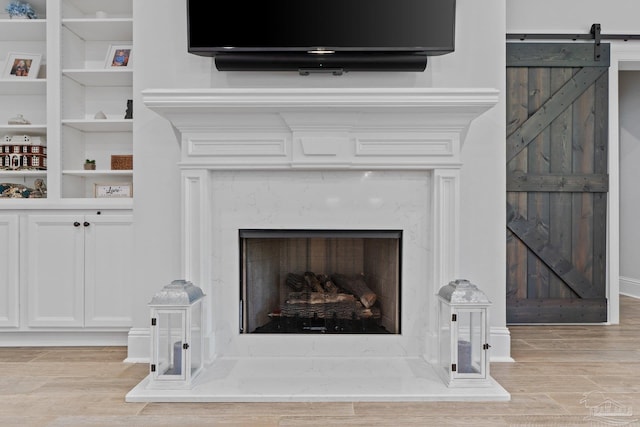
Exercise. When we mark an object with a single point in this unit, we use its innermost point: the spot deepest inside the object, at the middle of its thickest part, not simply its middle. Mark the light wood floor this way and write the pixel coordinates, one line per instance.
(555, 367)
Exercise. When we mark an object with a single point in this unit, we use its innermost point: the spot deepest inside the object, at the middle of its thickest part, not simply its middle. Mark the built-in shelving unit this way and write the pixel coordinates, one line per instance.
(94, 94)
(23, 95)
(59, 250)
(77, 104)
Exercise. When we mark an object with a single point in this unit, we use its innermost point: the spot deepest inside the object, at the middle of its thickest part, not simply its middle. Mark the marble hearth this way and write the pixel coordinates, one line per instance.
(320, 159)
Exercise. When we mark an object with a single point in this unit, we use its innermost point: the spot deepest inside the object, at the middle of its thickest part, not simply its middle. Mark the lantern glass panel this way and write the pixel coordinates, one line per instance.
(445, 336)
(196, 338)
(470, 341)
(170, 341)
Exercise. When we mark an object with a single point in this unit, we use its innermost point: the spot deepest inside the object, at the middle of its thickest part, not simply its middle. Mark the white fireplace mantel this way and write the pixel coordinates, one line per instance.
(361, 128)
(377, 158)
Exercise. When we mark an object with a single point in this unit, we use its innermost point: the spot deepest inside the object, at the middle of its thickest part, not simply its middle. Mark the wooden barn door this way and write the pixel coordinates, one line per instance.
(557, 182)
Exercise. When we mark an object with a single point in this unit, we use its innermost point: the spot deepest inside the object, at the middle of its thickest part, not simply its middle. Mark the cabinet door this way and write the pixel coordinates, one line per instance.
(9, 268)
(55, 271)
(108, 270)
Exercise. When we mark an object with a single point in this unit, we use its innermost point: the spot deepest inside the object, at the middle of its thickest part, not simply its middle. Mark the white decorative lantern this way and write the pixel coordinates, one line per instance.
(463, 356)
(177, 341)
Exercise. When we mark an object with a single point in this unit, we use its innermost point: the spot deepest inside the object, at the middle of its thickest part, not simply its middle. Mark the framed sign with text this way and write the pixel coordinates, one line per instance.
(113, 190)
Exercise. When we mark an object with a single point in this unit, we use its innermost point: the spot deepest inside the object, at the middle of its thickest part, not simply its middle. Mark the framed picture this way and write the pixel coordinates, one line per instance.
(113, 190)
(22, 66)
(119, 56)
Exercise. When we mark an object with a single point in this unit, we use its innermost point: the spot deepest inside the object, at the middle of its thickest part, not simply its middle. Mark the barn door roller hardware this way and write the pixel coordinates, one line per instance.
(597, 36)
(594, 34)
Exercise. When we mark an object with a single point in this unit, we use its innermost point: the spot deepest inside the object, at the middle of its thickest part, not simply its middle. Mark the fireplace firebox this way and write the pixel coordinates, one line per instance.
(320, 281)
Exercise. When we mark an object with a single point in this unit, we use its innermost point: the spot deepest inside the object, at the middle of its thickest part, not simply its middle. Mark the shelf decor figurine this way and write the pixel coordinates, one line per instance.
(21, 191)
(18, 120)
(129, 113)
(20, 10)
(90, 165)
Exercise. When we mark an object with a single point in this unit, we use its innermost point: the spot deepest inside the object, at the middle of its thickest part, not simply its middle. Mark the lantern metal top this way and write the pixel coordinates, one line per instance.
(463, 292)
(178, 292)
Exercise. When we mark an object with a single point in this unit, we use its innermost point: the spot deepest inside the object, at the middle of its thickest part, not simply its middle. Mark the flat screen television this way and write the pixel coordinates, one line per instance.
(334, 35)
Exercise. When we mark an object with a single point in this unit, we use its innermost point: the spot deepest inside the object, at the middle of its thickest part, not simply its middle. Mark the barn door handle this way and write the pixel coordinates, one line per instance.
(86, 224)
(76, 224)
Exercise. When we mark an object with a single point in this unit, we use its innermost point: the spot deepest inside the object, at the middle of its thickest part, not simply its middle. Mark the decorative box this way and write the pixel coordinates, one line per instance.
(122, 162)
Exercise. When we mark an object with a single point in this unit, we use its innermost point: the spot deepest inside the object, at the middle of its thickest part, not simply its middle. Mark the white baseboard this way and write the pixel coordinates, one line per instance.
(630, 287)
(500, 345)
(63, 339)
(139, 345)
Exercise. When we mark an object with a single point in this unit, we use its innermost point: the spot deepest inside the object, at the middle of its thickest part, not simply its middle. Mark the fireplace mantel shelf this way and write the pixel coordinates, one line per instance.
(167, 101)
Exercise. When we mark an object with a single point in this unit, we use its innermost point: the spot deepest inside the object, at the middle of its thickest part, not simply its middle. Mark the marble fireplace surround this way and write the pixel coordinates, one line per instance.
(320, 159)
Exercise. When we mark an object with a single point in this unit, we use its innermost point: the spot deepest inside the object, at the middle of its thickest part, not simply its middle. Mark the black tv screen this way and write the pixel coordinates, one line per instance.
(426, 26)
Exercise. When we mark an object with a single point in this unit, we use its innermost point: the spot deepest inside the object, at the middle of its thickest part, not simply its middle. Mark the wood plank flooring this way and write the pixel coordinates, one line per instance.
(563, 375)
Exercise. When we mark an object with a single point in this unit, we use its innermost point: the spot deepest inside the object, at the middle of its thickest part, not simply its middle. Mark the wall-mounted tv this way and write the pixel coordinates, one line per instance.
(374, 35)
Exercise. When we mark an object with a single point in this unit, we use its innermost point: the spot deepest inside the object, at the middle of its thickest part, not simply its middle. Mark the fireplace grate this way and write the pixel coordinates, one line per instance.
(301, 325)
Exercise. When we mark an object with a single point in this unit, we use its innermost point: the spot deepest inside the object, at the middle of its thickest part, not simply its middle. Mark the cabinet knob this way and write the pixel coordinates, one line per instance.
(76, 224)
(86, 224)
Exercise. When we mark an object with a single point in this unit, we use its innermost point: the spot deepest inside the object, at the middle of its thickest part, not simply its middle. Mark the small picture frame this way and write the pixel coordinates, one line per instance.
(22, 66)
(118, 56)
(101, 191)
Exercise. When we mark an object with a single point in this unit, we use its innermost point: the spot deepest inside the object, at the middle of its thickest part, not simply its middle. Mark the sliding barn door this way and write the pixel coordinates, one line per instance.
(557, 182)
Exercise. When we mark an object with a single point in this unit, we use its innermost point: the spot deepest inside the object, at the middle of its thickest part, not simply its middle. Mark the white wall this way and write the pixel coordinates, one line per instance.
(569, 16)
(162, 61)
(629, 92)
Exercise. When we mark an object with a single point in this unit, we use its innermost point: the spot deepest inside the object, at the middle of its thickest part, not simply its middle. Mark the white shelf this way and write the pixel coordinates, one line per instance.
(107, 125)
(97, 173)
(22, 174)
(112, 29)
(37, 129)
(100, 77)
(26, 29)
(100, 203)
(68, 203)
(19, 86)
(88, 8)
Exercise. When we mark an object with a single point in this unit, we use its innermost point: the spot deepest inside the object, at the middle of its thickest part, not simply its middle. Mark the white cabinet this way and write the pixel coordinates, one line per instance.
(108, 275)
(79, 270)
(9, 270)
(55, 276)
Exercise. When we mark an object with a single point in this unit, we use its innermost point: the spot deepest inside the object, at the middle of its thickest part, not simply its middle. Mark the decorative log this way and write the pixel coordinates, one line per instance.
(357, 286)
(296, 282)
(339, 310)
(313, 282)
(330, 287)
(318, 298)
